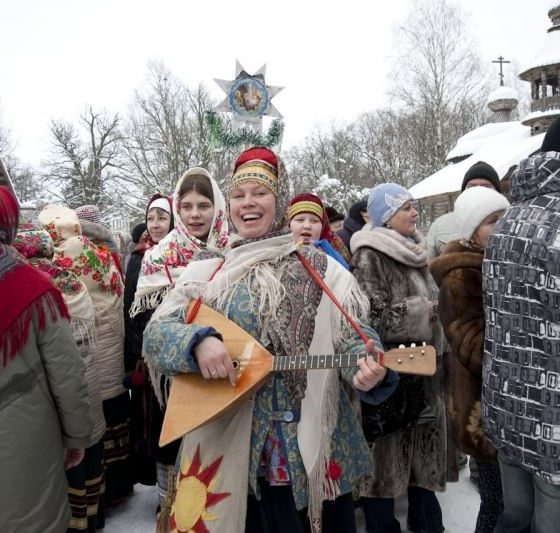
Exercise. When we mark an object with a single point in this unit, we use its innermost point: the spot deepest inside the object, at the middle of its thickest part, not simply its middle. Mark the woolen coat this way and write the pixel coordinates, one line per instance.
(392, 271)
(458, 272)
(43, 409)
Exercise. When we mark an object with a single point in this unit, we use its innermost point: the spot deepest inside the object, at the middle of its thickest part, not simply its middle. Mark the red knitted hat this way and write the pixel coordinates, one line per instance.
(310, 203)
(306, 203)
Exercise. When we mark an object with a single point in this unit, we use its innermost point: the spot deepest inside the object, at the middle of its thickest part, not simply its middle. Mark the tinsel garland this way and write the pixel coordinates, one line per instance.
(221, 137)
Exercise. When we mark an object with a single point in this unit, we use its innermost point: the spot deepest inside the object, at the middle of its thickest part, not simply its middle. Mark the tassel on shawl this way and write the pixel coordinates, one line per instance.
(148, 301)
(320, 486)
(263, 283)
(356, 303)
(15, 337)
(83, 331)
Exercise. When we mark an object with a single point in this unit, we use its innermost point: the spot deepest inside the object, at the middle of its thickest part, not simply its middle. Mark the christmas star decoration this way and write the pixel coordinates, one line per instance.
(248, 97)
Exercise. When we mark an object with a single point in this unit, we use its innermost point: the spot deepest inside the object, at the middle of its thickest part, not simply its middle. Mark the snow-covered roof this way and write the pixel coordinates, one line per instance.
(501, 150)
(503, 93)
(471, 142)
(539, 114)
(549, 53)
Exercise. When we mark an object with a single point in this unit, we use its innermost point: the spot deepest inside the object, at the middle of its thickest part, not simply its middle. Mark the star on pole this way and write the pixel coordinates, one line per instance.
(248, 97)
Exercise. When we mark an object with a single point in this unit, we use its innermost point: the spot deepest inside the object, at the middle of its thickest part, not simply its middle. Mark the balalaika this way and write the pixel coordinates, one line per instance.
(193, 400)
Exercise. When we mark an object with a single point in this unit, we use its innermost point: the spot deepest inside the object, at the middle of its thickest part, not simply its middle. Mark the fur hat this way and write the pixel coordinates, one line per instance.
(90, 213)
(333, 214)
(482, 170)
(137, 232)
(551, 142)
(474, 205)
(356, 210)
(384, 201)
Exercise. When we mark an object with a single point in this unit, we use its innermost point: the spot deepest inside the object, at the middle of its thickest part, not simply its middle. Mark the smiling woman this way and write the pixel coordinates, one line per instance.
(199, 215)
(297, 444)
(196, 205)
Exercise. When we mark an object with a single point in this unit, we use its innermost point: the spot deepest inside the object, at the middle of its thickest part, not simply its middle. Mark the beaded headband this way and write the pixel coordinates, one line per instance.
(255, 172)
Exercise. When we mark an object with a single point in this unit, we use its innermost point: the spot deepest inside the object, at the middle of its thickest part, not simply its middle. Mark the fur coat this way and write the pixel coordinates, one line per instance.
(458, 272)
(392, 271)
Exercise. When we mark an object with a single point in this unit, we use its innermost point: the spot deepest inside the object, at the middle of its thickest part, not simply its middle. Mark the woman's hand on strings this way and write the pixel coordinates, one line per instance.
(370, 373)
(214, 360)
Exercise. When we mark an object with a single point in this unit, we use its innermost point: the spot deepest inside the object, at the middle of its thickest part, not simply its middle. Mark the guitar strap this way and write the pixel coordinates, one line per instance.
(317, 278)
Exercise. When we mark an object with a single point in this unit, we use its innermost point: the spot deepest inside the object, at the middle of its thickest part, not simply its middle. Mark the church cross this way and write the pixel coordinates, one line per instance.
(501, 61)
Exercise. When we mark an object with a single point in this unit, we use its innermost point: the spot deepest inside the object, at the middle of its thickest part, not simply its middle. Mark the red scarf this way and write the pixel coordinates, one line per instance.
(22, 287)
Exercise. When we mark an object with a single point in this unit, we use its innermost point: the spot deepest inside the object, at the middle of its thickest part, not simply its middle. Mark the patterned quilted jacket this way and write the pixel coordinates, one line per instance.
(521, 280)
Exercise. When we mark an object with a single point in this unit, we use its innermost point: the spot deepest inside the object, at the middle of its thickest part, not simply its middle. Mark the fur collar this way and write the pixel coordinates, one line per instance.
(411, 252)
(455, 255)
(98, 233)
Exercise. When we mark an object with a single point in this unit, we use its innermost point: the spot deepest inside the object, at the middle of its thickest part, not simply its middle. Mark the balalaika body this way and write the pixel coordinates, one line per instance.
(193, 400)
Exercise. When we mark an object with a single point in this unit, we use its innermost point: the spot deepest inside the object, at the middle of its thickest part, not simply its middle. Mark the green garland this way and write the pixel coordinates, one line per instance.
(220, 137)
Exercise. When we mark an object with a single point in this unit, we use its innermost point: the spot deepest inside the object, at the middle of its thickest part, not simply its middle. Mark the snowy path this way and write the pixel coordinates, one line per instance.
(459, 504)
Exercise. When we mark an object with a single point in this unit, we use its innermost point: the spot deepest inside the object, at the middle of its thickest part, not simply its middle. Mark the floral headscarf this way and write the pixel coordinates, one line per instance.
(37, 246)
(76, 253)
(162, 264)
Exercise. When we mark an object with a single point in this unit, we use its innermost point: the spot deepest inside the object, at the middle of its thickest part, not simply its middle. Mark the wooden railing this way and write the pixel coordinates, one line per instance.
(544, 104)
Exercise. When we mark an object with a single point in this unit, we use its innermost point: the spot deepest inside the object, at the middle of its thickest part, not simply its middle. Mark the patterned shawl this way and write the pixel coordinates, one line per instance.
(76, 254)
(36, 245)
(25, 291)
(162, 264)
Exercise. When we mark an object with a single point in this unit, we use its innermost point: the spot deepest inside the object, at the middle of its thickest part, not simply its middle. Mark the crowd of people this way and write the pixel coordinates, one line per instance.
(91, 338)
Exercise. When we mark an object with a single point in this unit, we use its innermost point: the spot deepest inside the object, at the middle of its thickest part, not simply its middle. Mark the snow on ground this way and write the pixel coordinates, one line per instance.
(459, 504)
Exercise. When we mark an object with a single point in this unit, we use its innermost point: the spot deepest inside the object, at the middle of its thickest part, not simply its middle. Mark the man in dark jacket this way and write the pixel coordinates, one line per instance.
(355, 221)
(521, 373)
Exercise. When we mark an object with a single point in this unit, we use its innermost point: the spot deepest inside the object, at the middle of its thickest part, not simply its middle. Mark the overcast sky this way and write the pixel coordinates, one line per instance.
(332, 57)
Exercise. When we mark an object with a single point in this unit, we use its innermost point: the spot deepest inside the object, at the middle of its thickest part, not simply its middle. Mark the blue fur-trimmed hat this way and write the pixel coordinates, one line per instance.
(384, 201)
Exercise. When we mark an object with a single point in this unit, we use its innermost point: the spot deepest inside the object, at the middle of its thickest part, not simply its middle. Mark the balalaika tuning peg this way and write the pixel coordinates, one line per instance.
(413, 345)
(402, 346)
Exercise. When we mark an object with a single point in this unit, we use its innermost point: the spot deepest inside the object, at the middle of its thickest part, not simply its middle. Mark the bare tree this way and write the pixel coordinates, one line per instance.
(438, 81)
(166, 134)
(24, 178)
(329, 152)
(5, 142)
(85, 158)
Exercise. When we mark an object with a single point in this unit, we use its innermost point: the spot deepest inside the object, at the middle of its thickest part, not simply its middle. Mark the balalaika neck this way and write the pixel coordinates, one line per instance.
(306, 362)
